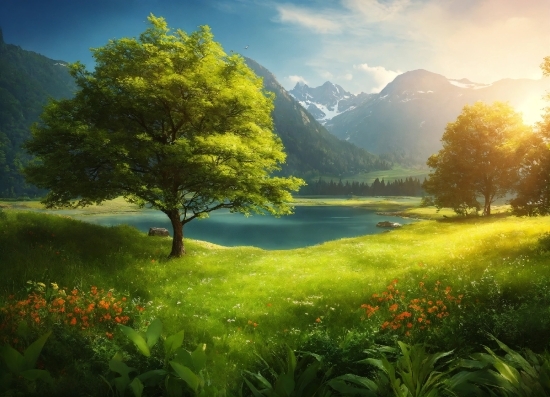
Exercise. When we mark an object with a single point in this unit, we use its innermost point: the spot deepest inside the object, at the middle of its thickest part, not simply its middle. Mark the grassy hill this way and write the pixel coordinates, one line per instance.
(244, 302)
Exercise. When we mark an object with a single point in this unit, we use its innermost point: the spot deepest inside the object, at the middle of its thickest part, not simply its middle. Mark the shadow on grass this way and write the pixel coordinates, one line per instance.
(72, 253)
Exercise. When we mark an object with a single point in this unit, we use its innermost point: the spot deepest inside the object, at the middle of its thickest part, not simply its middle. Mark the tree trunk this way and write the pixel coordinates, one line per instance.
(487, 206)
(178, 249)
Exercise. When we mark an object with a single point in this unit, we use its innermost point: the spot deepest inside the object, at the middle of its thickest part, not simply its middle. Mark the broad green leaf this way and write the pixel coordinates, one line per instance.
(183, 357)
(173, 387)
(138, 340)
(260, 379)
(33, 351)
(35, 374)
(137, 387)
(253, 389)
(153, 332)
(284, 385)
(291, 363)
(152, 378)
(358, 380)
(121, 383)
(172, 343)
(199, 358)
(120, 367)
(13, 359)
(186, 375)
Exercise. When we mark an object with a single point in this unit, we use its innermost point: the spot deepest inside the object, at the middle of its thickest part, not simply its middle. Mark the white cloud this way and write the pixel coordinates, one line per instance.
(296, 79)
(373, 10)
(346, 76)
(326, 74)
(307, 18)
(380, 75)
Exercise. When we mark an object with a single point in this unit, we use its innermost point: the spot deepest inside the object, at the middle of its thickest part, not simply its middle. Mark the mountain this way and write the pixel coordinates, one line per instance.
(311, 150)
(406, 120)
(27, 80)
(326, 101)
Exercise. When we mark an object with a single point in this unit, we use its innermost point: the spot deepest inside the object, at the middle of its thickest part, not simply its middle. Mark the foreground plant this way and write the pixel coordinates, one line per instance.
(304, 378)
(21, 368)
(181, 370)
(512, 375)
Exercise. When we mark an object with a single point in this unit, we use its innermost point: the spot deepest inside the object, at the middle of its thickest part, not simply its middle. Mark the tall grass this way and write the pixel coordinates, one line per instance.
(245, 301)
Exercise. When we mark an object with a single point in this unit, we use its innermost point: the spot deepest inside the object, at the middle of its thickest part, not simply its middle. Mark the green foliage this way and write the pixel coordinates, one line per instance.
(27, 81)
(21, 368)
(514, 375)
(481, 156)
(416, 373)
(181, 370)
(166, 120)
(298, 378)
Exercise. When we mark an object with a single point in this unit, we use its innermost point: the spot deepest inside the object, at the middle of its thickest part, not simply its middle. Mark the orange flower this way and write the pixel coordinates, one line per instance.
(393, 307)
(420, 319)
(409, 325)
(318, 320)
(73, 321)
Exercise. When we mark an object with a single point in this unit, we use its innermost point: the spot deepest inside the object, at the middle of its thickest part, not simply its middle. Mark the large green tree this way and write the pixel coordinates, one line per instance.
(480, 158)
(168, 121)
(533, 191)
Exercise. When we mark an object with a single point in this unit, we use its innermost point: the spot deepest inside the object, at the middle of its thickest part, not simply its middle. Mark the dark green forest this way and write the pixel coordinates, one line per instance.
(27, 80)
(408, 187)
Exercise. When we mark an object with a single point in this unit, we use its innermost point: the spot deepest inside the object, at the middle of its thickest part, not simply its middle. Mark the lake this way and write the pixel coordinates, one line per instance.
(310, 225)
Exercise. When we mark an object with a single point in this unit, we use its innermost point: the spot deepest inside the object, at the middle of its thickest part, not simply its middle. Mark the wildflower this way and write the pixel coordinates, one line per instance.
(73, 321)
(318, 320)
(409, 325)
(393, 307)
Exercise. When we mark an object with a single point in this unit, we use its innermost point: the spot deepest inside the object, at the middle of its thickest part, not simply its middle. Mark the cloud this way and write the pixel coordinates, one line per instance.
(346, 76)
(296, 79)
(299, 16)
(326, 74)
(373, 10)
(379, 74)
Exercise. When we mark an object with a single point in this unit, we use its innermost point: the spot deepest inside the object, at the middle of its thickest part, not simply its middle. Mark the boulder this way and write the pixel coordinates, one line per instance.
(388, 224)
(158, 231)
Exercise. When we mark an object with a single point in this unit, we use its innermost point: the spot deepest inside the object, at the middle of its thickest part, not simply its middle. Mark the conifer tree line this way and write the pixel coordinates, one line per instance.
(408, 187)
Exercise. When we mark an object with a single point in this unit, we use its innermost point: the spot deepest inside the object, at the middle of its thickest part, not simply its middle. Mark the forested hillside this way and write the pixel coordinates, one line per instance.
(311, 149)
(27, 80)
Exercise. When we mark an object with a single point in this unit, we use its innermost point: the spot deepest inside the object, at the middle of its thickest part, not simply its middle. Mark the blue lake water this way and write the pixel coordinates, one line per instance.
(308, 226)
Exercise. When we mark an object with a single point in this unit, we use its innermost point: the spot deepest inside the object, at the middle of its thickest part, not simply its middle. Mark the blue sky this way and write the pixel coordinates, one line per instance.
(360, 44)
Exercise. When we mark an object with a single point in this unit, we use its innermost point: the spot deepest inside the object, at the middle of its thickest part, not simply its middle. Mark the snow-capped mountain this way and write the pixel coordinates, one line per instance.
(326, 101)
(408, 117)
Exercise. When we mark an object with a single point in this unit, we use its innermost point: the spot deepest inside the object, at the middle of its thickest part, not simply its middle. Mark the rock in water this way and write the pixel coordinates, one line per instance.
(388, 224)
(158, 231)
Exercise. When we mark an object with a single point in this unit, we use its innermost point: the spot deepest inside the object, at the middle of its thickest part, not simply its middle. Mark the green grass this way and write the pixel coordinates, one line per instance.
(213, 292)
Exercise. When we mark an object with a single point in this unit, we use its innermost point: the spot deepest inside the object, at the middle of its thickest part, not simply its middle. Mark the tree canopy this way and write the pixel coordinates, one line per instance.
(166, 120)
(533, 191)
(480, 158)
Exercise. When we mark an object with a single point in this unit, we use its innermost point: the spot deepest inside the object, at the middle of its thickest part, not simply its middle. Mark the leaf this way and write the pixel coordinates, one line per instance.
(33, 351)
(13, 359)
(137, 387)
(138, 340)
(253, 389)
(121, 383)
(291, 361)
(35, 374)
(173, 387)
(284, 385)
(199, 358)
(120, 367)
(153, 332)
(172, 343)
(186, 375)
(152, 378)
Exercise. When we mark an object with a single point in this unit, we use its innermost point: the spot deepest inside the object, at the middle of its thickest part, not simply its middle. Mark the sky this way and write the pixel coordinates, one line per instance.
(359, 44)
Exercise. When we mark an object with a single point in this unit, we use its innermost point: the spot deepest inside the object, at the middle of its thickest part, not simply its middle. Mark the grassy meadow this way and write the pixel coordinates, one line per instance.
(245, 303)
